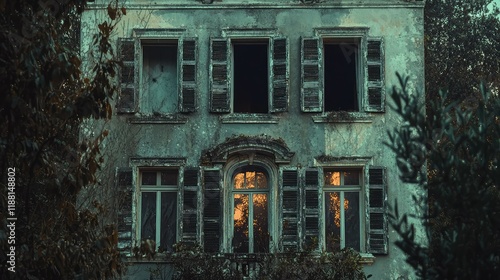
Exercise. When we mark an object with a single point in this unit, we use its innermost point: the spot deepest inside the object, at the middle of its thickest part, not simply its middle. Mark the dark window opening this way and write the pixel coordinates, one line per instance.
(340, 76)
(250, 78)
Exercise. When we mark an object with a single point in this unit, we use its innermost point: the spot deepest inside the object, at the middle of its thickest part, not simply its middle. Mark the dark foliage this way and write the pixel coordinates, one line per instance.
(462, 47)
(45, 97)
(191, 263)
(462, 149)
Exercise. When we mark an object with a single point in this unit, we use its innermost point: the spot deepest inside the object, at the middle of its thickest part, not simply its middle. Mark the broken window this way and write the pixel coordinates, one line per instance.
(158, 207)
(249, 75)
(339, 75)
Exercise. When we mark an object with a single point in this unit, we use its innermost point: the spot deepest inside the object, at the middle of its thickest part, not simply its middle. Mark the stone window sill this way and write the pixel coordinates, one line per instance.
(158, 119)
(249, 118)
(343, 117)
(367, 259)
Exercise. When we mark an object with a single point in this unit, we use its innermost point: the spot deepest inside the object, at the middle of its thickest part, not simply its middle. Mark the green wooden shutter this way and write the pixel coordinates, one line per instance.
(127, 97)
(378, 226)
(311, 207)
(375, 99)
(190, 205)
(279, 75)
(187, 81)
(219, 76)
(212, 214)
(290, 194)
(311, 75)
(124, 186)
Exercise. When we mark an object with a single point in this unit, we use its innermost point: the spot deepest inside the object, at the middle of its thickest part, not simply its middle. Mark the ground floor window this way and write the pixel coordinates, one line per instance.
(158, 207)
(250, 193)
(342, 209)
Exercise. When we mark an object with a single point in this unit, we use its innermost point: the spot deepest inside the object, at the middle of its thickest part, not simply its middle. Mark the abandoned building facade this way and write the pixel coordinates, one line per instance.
(258, 126)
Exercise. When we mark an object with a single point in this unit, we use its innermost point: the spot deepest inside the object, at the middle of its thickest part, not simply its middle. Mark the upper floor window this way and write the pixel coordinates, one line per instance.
(341, 77)
(249, 75)
(158, 76)
(158, 83)
(342, 74)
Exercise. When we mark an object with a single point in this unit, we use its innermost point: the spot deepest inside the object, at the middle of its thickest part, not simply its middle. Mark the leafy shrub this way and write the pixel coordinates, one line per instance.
(191, 263)
(453, 155)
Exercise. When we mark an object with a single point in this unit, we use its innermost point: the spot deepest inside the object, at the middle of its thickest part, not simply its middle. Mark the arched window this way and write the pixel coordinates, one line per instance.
(250, 193)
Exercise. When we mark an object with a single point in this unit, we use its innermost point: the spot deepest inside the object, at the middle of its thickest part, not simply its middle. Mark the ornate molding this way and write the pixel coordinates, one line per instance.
(249, 146)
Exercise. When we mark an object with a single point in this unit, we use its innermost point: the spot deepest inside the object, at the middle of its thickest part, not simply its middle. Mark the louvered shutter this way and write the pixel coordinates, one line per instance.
(290, 209)
(219, 76)
(127, 96)
(124, 186)
(378, 225)
(311, 207)
(212, 215)
(187, 81)
(279, 75)
(311, 75)
(190, 205)
(375, 99)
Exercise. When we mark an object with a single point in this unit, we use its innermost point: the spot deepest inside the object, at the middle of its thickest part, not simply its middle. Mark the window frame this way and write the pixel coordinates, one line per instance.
(330, 40)
(158, 189)
(363, 165)
(249, 41)
(342, 189)
(221, 74)
(139, 164)
(187, 72)
(312, 91)
(229, 171)
(144, 100)
(250, 193)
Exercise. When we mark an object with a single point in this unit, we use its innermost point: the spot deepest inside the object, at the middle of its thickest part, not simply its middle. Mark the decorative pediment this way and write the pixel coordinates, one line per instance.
(249, 146)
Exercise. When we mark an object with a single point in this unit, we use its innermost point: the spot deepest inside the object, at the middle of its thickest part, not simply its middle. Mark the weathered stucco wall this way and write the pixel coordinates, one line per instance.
(399, 23)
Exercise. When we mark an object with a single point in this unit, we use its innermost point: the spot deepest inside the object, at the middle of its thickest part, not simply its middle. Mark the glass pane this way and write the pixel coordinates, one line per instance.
(261, 180)
(149, 178)
(260, 224)
(169, 178)
(239, 181)
(332, 178)
(351, 208)
(148, 216)
(240, 235)
(351, 178)
(250, 180)
(168, 220)
(332, 221)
